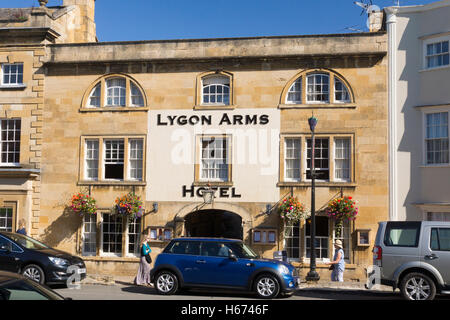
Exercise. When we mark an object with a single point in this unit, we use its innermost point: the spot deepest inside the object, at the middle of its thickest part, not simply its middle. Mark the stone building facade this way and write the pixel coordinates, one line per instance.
(167, 120)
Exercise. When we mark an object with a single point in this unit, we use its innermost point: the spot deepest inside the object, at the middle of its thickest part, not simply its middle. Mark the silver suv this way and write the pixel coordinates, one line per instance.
(414, 256)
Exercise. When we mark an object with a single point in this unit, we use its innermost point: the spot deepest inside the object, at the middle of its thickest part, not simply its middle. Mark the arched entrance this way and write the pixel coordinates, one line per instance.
(214, 223)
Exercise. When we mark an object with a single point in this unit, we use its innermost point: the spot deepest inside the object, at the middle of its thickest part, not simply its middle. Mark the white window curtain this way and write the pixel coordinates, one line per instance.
(214, 162)
(294, 95)
(292, 159)
(136, 157)
(115, 92)
(92, 150)
(436, 139)
(342, 159)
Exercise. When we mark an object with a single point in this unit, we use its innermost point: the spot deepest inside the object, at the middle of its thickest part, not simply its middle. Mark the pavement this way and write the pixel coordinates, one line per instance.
(97, 279)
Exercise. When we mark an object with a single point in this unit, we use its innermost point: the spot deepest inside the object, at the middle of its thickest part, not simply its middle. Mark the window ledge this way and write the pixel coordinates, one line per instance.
(13, 87)
(271, 244)
(215, 107)
(434, 68)
(110, 259)
(318, 105)
(318, 184)
(322, 265)
(213, 184)
(111, 183)
(443, 165)
(114, 109)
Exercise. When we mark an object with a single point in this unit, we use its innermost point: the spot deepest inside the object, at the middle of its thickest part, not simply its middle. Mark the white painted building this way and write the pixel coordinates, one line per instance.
(419, 109)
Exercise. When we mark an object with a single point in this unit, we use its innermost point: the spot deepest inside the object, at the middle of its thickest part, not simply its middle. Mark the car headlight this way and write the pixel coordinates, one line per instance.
(58, 261)
(283, 269)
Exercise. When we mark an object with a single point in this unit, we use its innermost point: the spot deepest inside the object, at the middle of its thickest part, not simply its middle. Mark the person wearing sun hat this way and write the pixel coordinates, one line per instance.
(338, 263)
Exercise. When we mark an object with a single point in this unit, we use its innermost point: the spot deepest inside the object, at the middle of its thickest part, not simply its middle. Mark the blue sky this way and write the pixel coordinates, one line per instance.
(129, 20)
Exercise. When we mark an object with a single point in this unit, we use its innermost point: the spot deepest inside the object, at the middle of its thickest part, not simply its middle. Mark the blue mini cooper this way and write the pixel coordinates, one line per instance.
(220, 263)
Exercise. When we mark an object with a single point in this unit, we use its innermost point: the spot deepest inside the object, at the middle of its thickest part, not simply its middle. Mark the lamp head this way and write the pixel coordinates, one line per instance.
(312, 123)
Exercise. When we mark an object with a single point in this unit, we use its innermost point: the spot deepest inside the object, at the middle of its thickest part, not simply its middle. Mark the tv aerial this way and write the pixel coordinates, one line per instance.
(365, 6)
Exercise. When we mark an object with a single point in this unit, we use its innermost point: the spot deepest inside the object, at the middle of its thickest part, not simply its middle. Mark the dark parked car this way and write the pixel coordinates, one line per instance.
(220, 263)
(37, 261)
(17, 287)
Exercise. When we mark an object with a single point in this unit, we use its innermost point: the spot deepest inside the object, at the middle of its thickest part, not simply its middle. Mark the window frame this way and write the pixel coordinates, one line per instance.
(331, 155)
(266, 239)
(101, 160)
(299, 159)
(103, 105)
(199, 156)
(122, 89)
(160, 230)
(301, 92)
(216, 82)
(329, 158)
(329, 238)
(349, 179)
(199, 104)
(424, 135)
(13, 208)
(313, 75)
(12, 85)
(290, 234)
(303, 76)
(84, 252)
(7, 163)
(434, 40)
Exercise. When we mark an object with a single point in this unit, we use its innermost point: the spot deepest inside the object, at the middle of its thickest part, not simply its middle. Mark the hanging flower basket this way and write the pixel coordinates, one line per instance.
(291, 210)
(342, 209)
(82, 204)
(129, 205)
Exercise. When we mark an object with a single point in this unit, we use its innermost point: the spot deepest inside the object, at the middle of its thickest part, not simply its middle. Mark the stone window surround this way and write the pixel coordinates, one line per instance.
(15, 59)
(332, 182)
(99, 255)
(11, 164)
(199, 105)
(85, 107)
(12, 85)
(267, 231)
(100, 180)
(331, 89)
(304, 261)
(197, 167)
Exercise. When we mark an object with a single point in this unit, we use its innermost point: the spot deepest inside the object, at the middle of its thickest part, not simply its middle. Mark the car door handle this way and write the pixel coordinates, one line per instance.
(250, 264)
(200, 261)
(431, 257)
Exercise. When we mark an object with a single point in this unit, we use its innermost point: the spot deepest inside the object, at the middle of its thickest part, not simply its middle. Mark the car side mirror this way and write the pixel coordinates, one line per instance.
(6, 247)
(231, 255)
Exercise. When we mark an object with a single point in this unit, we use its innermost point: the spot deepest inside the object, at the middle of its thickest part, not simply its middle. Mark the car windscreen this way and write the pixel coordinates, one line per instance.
(26, 290)
(27, 242)
(241, 250)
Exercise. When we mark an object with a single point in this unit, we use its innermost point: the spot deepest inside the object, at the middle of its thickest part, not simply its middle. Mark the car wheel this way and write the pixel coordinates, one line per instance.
(417, 286)
(166, 283)
(34, 273)
(267, 286)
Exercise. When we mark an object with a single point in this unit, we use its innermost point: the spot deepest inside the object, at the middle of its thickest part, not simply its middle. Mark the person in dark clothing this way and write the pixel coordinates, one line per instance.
(22, 229)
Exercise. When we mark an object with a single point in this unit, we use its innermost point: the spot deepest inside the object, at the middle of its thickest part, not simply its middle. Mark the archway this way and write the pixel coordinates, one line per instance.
(214, 223)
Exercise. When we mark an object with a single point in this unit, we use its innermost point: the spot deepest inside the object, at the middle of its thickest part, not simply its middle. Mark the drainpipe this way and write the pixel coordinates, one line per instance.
(391, 24)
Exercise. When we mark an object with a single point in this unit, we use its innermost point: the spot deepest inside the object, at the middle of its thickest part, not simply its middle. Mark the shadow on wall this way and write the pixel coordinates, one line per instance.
(62, 229)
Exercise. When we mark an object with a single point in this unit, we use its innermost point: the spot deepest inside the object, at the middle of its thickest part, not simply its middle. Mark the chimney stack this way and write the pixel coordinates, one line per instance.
(375, 22)
(85, 29)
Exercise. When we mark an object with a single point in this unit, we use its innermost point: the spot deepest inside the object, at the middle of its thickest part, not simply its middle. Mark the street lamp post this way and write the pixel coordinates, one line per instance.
(312, 274)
